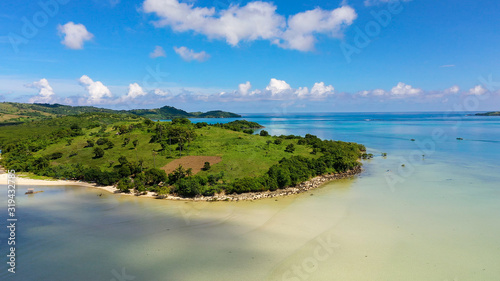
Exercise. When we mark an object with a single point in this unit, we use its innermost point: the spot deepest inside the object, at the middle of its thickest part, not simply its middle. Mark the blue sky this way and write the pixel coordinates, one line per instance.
(252, 56)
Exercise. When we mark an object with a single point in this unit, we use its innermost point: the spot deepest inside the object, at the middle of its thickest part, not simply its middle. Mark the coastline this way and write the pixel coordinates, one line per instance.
(299, 188)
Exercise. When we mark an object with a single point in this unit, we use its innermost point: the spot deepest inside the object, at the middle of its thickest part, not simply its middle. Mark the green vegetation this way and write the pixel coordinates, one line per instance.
(168, 112)
(493, 113)
(128, 151)
(16, 113)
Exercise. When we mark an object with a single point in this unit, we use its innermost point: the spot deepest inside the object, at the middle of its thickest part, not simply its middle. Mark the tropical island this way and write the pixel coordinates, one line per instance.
(16, 113)
(493, 113)
(175, 159)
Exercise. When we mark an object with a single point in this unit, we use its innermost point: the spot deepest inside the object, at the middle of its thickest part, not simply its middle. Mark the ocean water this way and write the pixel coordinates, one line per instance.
(435, 218)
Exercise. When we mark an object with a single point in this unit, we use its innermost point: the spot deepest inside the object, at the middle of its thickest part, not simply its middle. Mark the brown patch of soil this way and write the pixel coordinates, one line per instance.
(194, 162)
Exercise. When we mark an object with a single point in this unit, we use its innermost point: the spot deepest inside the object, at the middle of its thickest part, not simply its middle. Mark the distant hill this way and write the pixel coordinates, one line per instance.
(15, 113)
(494, 113)
(216, 114)
(169, 112)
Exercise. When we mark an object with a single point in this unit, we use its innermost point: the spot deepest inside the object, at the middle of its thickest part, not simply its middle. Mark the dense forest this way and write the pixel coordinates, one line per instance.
(131, 152)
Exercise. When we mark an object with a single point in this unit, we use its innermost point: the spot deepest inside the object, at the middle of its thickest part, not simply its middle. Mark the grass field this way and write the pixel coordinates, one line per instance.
(242, 154)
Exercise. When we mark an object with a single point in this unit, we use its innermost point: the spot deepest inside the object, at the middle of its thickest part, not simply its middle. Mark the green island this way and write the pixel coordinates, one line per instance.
(493, 113)
(16, 113)
(171, 159)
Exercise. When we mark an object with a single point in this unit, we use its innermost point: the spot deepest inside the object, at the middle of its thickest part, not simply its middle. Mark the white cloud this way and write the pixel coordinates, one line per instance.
(277, 86)
(302, 27)
(158, 52)
(97, 92)
(162, 93)
(134, 91)
(403, 90)
(408, 92)
(256, 20)
(379, 2)
(319, 89)
(244, 88)
(45, 92)
(75, 35)
(477, 91)
(452, 90)
(190, 55)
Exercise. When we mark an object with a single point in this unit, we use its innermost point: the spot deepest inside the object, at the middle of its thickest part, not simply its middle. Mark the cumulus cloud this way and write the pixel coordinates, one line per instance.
(278, 86)
(478, 90)
(158, 52)
(45, 92)
(276, 90)
(407, 92)
(256, 20)
(190, 55)
(452, 90)
(244, 88)
(403, 90)
(302, 27)
(320, 90)
(97, 92)
(75, 35)
(134, 91)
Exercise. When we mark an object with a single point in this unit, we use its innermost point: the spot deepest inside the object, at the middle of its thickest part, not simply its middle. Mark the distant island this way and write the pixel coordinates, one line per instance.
(175, 159)
(16, 113)
(493, 113)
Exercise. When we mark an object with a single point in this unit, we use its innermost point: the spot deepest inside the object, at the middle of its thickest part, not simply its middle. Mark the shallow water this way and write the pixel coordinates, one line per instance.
(434, 219)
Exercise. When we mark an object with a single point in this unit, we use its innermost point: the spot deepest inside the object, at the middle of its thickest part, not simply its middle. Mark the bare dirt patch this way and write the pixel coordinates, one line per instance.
(194, 162)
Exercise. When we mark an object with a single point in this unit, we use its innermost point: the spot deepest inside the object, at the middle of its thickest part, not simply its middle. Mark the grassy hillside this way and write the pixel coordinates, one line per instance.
(130, 151)
(23, 112)
(13, 113)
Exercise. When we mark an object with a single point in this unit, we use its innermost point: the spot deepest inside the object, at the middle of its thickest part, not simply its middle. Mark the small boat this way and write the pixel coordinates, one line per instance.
(460, 139)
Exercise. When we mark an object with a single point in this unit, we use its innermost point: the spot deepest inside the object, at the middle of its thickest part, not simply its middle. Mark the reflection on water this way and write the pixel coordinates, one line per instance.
(439, 221)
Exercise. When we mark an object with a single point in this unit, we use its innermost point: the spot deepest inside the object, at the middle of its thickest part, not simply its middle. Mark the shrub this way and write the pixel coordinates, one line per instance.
(55, 155)
(110, 145)
(182, 121)
(206, 166)
(264, 133)
(248, 131)
(155, 176)
(123, 160)
(278, 141)
(124, 185)
(90, 143)
(98, 152)
(290, 148)
(127, 140)
(102, 141)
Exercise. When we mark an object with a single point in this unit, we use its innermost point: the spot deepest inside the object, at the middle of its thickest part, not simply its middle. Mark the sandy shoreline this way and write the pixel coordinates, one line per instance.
(33, 182)
(300, 188)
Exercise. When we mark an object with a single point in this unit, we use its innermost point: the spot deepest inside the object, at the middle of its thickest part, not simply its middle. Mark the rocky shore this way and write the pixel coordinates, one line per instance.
(300, 188)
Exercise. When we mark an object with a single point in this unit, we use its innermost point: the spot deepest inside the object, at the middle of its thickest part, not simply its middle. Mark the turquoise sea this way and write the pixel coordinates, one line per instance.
(435, 218)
